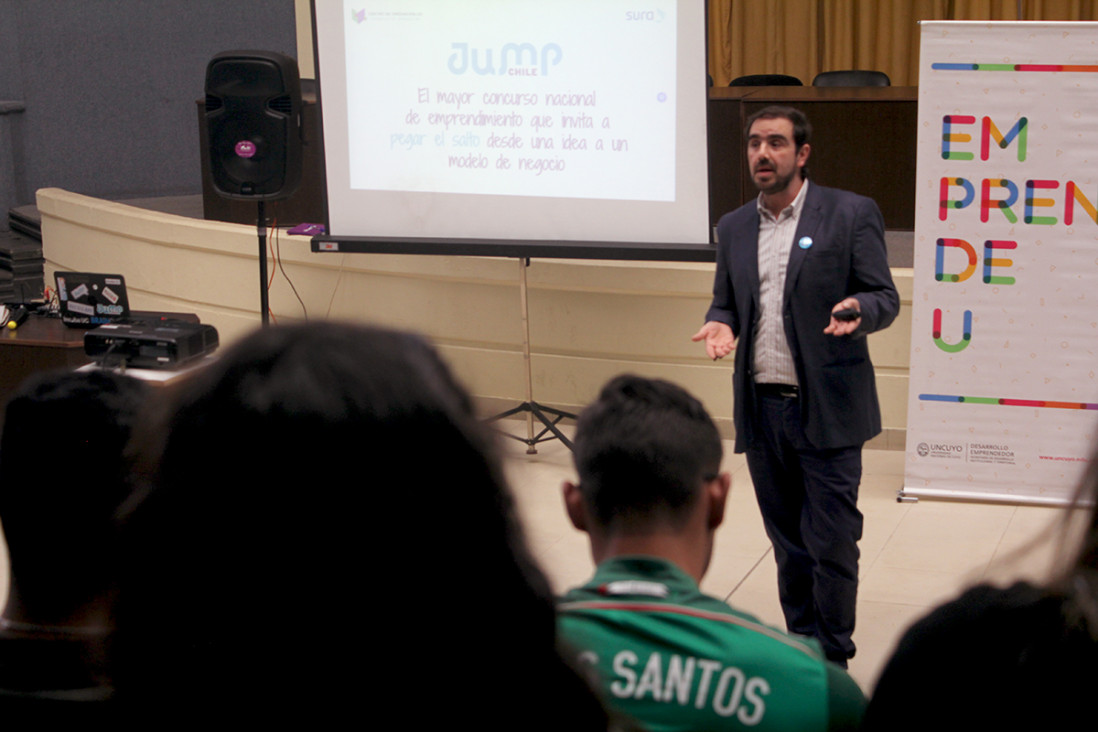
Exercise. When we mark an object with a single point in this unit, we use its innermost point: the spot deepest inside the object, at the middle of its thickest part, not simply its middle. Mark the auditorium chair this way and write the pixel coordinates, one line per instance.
(852, 77)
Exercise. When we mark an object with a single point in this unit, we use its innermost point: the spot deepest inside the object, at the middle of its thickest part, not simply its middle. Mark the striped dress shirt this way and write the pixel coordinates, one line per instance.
(773, 361)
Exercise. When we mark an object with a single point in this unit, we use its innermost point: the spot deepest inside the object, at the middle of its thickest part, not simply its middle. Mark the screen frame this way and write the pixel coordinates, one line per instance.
(511, 247)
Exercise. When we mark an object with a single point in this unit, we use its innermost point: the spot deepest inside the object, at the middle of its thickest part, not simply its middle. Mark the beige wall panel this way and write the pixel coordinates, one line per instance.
(890, 349)
(450, 311)
(570, 382)
(892, 393)
(495, 377)
(651, 327)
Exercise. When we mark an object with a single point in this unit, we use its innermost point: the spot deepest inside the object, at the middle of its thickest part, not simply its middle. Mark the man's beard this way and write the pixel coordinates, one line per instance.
(777, 185)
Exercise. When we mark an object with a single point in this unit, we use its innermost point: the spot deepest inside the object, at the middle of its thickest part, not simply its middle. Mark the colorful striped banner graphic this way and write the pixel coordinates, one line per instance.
(1013, 67)
(1003, 402)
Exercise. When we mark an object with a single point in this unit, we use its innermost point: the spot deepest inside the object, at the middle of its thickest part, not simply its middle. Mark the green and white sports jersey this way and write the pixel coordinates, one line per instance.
(673, 658)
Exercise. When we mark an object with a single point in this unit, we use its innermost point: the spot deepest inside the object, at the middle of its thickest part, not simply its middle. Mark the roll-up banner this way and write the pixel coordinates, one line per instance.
(1003, 403)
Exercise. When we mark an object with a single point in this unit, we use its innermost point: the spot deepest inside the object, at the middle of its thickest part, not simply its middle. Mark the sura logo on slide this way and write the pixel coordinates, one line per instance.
(655, 16)
(515, 59)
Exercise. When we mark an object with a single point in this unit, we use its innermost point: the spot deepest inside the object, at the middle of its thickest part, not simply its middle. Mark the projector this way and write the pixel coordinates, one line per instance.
(160, 345)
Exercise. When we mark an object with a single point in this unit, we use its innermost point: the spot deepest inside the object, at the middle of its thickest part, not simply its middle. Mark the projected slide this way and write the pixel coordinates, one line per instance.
(520, 120)
(518, 102)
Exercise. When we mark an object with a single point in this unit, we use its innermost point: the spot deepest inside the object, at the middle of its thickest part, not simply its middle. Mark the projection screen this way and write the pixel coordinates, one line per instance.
(518, 127)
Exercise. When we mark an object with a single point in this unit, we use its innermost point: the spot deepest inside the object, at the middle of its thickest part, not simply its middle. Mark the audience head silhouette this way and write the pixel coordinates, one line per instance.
(63, 475)
(325, 521)
(648, 458)
(59, 523)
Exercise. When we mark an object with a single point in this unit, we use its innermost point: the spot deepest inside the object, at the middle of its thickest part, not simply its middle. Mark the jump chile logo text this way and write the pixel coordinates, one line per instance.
(515, 59)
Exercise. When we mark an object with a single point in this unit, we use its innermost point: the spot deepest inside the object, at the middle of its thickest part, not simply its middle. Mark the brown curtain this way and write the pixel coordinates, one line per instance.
(804, 37)
(762, 38)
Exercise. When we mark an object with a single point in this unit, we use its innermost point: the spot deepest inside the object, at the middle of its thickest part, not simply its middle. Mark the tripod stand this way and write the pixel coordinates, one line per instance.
(547, 416)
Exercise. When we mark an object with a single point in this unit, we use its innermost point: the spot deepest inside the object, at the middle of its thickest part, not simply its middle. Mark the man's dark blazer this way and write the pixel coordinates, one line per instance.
(838, 251)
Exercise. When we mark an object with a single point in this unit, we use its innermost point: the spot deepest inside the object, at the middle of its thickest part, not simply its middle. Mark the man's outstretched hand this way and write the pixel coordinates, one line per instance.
(719, 341)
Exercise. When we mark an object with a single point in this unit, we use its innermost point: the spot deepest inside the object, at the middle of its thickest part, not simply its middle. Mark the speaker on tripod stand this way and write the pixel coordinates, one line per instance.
(253, 126)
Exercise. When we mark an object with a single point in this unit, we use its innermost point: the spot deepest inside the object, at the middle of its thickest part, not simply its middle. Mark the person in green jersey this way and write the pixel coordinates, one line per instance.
(650, 497)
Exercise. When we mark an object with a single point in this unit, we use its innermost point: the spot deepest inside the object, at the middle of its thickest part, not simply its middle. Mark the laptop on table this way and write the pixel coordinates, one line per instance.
(90, 299)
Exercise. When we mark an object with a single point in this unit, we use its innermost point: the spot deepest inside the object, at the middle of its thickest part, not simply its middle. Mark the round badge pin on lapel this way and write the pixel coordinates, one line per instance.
(804, 242)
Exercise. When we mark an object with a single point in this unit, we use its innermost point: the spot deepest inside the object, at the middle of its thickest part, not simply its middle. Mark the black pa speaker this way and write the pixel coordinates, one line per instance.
(253, 124)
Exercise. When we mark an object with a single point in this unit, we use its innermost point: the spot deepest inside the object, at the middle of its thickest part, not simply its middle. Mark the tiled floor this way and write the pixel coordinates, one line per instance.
(914, 555)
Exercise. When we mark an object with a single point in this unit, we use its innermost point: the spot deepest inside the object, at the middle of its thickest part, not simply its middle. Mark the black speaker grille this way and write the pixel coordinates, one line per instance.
(253, 142)
(283, 105)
